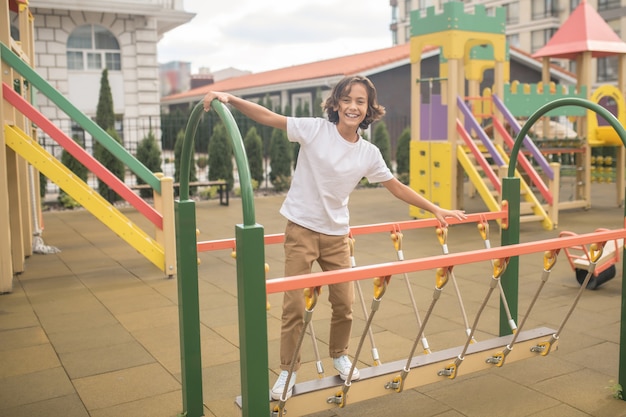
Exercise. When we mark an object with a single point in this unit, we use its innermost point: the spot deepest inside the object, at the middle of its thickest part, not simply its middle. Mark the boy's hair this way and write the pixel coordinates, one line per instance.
(374, 110)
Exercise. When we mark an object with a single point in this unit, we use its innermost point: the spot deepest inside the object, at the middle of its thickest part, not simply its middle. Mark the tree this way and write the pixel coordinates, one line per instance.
(171, 124)
(77, 168)
(149, 154)
(114, 165)
(105, 118)
(221, 157)
(178, 150)
(254, 151)
(280, 160)
(403, 151)
(382, 141)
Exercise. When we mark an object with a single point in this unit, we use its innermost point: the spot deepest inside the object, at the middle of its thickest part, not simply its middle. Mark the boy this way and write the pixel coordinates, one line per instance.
(332, 160)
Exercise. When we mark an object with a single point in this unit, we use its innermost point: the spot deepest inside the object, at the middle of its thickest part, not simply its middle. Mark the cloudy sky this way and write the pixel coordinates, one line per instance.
(260, 35)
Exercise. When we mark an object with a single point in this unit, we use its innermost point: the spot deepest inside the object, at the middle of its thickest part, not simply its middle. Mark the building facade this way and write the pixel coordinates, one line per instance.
(529, 25)
(76, 40)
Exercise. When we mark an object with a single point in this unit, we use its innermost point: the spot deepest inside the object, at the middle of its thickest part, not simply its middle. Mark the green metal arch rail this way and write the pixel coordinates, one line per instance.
(251, 291)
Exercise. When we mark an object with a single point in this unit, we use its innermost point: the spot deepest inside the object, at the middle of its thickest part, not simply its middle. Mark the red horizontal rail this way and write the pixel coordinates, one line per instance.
(81, 155)
(440, 261)
(212, 245)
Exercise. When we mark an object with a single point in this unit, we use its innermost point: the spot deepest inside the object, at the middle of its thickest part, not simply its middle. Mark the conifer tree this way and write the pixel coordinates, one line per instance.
(280, 160)
(402, 156)
(76, 167)
(149, 154)
(254, 151)
(178, 150)
(105, 118)
(114, 165)
(381, 140)
(221, 156)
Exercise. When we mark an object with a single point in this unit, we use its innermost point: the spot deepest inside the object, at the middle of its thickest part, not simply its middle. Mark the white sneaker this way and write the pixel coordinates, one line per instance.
(279, 386)
(342, 365)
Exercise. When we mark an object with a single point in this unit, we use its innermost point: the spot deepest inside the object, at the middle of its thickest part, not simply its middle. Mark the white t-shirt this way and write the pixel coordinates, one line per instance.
(328, 169)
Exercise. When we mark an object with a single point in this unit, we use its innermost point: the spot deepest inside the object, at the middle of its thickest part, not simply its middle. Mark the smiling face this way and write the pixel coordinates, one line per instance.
(359, 92)
(352, 107)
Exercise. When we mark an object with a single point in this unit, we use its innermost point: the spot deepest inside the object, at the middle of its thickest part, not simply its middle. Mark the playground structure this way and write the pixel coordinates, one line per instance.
(20, 205)
(394, 377)
(178, 217)
(448, 128)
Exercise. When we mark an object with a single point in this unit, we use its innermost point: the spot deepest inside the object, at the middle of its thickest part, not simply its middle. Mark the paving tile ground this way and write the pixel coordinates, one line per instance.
(93, 330)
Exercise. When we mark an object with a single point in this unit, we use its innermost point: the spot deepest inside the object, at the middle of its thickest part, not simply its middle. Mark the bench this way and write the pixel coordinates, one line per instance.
(222, 188)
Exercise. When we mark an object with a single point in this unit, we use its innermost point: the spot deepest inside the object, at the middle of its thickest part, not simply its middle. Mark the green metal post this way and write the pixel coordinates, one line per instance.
(252, 299)
(622, 328)
(615, 124)
(188, 294)
(510, 236)
(188, 308)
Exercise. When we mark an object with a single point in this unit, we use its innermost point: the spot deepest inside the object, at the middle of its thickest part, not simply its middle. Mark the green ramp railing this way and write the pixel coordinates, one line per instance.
(510, 235)
(251, 290)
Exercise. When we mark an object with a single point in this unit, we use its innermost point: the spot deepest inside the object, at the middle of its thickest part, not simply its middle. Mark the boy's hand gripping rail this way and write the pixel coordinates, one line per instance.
(595, 252)
(549, 260)
(380, 287)
(499, 265)
(442, 276)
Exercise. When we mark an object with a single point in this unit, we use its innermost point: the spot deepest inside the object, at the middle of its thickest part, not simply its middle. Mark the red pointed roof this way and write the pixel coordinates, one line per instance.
(583, 31)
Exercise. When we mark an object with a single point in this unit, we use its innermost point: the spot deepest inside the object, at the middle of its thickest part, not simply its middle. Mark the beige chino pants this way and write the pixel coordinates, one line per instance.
(302, 248)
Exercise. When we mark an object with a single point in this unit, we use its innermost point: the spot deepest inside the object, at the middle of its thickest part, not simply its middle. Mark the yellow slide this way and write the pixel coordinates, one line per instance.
(58, 173)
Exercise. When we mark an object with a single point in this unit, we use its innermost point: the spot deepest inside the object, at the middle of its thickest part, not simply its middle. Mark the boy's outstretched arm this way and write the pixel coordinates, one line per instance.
(252, 110)
(408, 195)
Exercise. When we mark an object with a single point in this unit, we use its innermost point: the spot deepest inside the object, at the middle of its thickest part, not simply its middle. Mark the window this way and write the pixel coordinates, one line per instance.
(542, 9)
(512, 13)
(92, 47)
(513, 39)
(573, 4)
(394, 14)
(424, 4)
(615, 25)
(539, 38)
(302, 104)
(407, 9)
(608, 4)
(607, 68)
